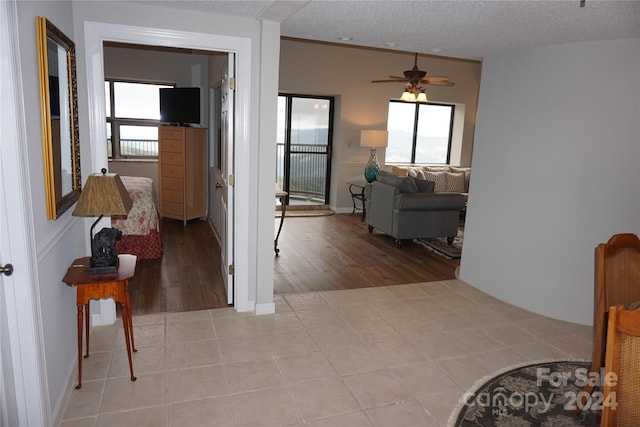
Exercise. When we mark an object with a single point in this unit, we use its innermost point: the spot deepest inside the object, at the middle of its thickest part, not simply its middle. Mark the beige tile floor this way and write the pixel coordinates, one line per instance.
(387, 356)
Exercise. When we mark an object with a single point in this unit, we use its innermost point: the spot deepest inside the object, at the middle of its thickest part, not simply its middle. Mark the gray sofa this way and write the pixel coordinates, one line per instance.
(407, 208)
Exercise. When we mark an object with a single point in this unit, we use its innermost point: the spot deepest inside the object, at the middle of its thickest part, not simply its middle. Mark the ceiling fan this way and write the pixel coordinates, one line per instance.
(416, 76)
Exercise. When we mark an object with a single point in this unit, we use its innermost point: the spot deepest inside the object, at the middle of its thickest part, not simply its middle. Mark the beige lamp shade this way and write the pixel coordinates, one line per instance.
(408, 96)
(103, 194)
(374, 138)
(413, 94)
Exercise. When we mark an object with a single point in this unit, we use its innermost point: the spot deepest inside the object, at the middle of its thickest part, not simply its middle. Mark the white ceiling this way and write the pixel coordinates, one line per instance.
(454, 28)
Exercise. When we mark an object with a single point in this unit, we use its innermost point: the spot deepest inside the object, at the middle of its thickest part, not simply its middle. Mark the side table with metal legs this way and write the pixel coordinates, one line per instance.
(282, 196)
(357, 185)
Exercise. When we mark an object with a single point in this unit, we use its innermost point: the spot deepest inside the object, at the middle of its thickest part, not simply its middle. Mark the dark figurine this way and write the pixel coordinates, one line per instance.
(103, 248)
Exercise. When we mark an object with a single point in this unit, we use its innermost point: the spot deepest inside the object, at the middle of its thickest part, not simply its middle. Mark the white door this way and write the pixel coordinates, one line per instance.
(23, 393)
(8, 405)
(227, 178)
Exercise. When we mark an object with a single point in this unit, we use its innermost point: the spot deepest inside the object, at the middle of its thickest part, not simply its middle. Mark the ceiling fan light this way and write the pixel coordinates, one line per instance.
(422, 97)
(408, 96)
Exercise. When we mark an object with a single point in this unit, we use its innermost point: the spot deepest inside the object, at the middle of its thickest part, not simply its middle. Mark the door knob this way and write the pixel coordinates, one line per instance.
(7, 269)
(218, 185)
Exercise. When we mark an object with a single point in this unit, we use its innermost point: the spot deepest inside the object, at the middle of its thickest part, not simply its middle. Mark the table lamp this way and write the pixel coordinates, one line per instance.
(373, 139)
(103, 194)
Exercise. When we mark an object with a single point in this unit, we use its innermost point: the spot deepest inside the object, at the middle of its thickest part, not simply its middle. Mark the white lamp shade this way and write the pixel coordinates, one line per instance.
(374, 138)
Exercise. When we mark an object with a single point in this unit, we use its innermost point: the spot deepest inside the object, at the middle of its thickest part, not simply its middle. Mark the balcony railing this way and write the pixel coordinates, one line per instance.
(308, 166)
(136, 147)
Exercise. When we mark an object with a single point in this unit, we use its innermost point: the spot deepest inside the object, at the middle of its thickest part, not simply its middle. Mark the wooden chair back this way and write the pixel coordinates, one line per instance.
(617, 282)
(621, 397)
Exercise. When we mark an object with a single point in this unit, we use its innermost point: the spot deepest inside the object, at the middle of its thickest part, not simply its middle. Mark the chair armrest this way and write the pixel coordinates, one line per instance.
(382, 193)
(379, 205)
(429, 201)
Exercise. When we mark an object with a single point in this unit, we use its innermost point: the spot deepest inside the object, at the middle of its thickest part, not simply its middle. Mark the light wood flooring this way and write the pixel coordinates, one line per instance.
(316, 254)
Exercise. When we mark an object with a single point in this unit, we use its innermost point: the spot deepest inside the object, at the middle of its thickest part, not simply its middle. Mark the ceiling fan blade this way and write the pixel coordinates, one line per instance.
(389, 81)
(416, 76)
(436, 78)
(443, 83)
(437, 81)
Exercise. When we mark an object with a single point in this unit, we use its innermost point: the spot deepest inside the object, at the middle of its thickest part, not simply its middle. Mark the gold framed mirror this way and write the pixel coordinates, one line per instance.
(59, 116)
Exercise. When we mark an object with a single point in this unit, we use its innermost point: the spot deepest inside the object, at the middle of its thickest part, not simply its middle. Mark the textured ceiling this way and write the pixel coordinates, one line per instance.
(461, 29)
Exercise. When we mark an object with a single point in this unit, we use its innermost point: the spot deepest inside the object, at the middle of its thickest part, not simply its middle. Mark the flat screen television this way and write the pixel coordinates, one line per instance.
(180, 105)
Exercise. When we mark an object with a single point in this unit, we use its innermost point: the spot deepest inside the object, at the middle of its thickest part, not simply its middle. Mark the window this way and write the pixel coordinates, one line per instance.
(419, 132)
(133, 117)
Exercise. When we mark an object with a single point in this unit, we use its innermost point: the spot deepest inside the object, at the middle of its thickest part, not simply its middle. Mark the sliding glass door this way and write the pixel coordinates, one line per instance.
(303, 158)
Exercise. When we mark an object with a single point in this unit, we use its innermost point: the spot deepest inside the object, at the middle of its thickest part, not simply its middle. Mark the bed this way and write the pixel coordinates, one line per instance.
(141, 228)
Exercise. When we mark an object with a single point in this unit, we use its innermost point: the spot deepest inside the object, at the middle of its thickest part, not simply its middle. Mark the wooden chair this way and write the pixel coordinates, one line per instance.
(621, 398)
(617, 281)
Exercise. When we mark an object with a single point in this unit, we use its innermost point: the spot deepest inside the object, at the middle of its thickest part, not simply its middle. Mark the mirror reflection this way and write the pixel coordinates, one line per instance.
(56, 55)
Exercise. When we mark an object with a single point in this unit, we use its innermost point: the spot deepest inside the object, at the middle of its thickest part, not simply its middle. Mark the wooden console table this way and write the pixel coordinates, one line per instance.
(98, 286)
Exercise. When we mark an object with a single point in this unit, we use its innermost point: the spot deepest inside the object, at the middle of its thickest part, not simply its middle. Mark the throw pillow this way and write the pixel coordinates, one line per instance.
(458, 169)
(396, 170)
(439, 179)
(404, 183)
(454, 182)
(467, 176)
(436, 168)
(424, 186)
(408, 185)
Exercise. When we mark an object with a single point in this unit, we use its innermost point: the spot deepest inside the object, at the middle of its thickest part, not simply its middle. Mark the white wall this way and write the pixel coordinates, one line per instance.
(57, 242)
(146, 168)
(555, 172)
(153, 64)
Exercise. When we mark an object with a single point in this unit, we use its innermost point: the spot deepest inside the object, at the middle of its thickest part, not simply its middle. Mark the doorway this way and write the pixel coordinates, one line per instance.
(98, 33)
(304, 140)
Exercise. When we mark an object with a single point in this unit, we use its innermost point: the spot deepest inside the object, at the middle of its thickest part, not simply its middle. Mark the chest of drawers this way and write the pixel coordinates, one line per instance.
(182, 172)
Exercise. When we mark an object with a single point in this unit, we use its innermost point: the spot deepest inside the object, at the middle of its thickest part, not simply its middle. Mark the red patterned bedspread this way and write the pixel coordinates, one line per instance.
(141, 231)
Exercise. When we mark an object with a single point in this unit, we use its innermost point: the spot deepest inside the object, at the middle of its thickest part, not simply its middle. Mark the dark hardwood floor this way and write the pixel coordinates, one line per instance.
(316, 254)
(186, 278)
(337, 252)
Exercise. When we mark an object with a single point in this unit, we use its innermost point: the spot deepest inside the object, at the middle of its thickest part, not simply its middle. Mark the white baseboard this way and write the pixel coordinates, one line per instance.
(268, 308)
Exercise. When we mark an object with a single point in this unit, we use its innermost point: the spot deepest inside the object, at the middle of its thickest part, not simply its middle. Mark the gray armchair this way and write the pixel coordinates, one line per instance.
(407, 208)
